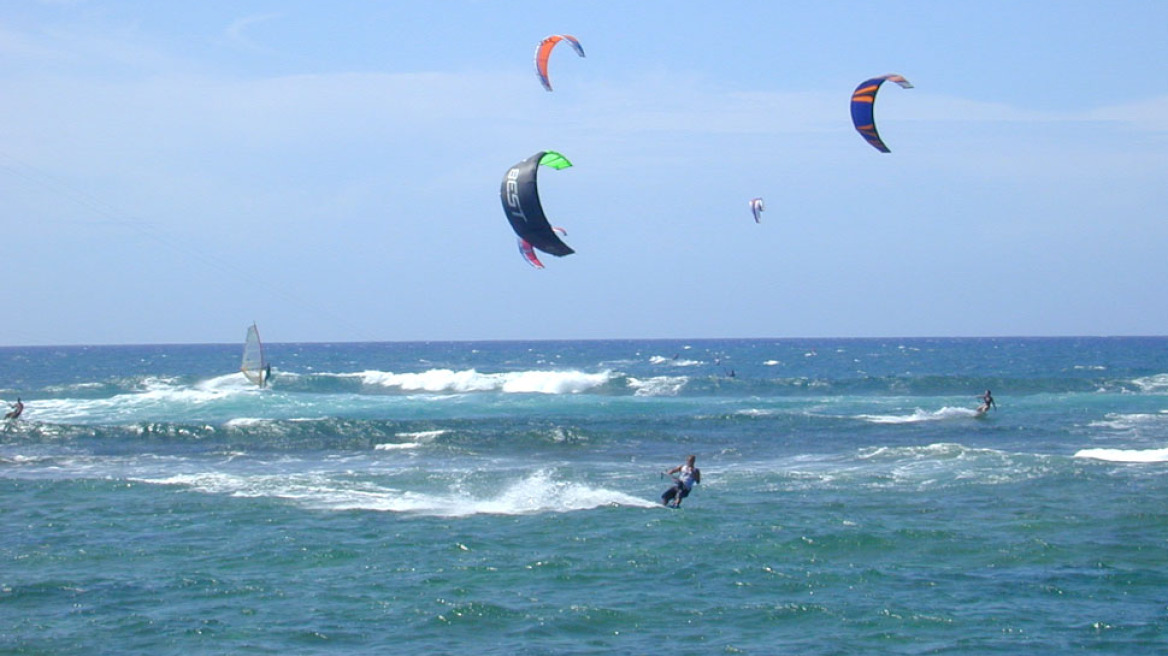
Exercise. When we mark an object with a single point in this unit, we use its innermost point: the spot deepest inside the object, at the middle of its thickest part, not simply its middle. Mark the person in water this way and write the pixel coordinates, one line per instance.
(17, 408)
(686, 476)
(987, 402)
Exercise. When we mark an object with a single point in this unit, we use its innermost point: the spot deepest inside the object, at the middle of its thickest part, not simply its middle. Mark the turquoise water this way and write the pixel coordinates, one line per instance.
(501, 498)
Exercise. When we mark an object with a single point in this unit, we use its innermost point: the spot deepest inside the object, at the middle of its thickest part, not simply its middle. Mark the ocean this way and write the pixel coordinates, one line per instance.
(503, 498)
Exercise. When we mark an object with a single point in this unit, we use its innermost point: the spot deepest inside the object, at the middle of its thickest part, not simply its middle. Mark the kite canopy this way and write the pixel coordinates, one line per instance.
(520, 196)
(863, 104)
(756, 208)
(544, 50)
(528, 252)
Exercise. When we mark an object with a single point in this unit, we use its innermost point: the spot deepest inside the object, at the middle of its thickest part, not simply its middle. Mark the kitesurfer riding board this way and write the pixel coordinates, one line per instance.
(684, 478)
(987, 402)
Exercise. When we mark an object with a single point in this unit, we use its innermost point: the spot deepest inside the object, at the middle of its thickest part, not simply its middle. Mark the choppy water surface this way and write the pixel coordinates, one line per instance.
(502, 497)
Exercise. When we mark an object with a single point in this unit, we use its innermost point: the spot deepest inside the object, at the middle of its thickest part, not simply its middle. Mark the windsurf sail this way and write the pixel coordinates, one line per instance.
(255, 367)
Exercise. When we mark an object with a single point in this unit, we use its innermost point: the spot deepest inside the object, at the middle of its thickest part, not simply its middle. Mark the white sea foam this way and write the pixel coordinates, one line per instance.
(161, 401)
(152, 397)
(208, 482)
(1132, 421)
(235, 382)
(417, 439)
(470, 380)
(244, 422)
(535, 493)
(73, 387)
(756, 412)
(936, 451)
(1157, 384)
(658, 385)
(674, 361)
(919, 415)
(424, 436)
(540, 493)
(1124, 455)
(156, 383)
(942, 464)
(397, 446)
(553, 382)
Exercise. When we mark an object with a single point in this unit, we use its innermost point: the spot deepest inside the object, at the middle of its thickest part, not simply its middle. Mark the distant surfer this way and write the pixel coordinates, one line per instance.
(267, 375)
(17, 408)
(684, 477)
(987, 402)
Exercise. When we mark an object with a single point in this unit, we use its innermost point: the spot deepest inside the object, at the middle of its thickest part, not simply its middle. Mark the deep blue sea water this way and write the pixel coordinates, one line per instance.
(501, 498)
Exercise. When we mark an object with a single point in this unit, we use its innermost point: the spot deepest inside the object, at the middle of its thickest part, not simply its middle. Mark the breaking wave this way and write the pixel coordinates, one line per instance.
(470, 380)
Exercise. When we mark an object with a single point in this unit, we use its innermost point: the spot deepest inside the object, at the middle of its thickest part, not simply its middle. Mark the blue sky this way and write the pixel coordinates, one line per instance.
(171, 172)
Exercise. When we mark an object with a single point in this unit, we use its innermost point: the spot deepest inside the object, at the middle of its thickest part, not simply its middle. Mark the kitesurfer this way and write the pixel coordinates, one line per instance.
(17, 408)
(987, 402)
(686, 476)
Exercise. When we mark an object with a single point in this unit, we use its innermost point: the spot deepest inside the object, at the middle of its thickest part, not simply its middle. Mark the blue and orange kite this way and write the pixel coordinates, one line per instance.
(863, 101)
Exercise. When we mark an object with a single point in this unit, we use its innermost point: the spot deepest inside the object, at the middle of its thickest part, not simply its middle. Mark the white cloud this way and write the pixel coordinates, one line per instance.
(237, 32)
(1150, 115)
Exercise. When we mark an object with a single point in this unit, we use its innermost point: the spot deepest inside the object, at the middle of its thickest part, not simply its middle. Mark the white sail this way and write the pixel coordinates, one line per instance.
(254, 365)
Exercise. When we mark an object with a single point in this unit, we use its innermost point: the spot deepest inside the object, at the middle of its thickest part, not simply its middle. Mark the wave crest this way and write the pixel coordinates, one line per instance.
(658, 385)
(470, 380)
(919, 415)
(1124, 455)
